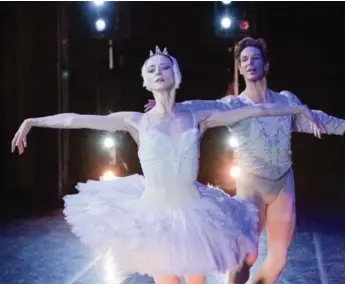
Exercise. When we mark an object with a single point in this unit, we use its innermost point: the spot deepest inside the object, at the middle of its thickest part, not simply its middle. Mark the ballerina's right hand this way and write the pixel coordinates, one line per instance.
(19, 139)
(150, 104)
(316, 125)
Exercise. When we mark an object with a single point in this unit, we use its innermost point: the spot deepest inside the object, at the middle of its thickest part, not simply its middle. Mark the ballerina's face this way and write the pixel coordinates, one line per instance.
(159, 73)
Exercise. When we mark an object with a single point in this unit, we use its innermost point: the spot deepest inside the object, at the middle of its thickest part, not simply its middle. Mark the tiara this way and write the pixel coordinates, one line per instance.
(158, 51)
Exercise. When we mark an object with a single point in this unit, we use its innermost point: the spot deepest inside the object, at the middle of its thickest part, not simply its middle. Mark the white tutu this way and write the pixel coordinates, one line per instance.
(210, 234)
(165, 223)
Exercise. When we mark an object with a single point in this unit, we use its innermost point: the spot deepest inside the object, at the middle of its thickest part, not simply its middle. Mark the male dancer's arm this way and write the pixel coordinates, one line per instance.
(332, 125)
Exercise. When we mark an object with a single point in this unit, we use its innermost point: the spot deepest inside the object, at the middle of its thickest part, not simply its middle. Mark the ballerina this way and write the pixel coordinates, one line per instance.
(165, 223)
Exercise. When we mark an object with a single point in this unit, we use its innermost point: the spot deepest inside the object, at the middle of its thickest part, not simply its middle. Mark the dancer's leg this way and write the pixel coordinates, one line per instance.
(241, 274)
(280, 224)
(195, 279)
(167, 279)
(246, 190)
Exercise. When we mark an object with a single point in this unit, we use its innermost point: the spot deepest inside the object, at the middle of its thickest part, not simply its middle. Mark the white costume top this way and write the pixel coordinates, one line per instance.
(265, 142)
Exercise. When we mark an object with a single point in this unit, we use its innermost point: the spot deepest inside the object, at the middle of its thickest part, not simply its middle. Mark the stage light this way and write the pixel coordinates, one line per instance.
(109, 175)
(233, 142)
(99, 2)
(244, 25)
(109, 142)
(100, 25)
(226, 22)
(235, 172)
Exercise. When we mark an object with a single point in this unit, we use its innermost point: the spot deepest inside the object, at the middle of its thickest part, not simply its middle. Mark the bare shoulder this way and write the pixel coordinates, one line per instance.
(129, 118)
(127, 115)
(134, 116)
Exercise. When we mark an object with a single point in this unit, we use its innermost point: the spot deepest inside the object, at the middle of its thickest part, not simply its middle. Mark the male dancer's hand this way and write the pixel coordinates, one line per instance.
(149, 105)
(316, 125)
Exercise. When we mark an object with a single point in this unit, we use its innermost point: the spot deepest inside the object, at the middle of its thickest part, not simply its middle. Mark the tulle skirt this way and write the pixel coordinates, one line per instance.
(209, 235)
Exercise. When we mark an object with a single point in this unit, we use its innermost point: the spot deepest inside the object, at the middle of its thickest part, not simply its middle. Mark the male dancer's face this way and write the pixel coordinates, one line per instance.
(252, 65)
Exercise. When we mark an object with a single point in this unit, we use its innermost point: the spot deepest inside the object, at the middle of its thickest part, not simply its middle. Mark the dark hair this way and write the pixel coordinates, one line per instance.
(249, 41)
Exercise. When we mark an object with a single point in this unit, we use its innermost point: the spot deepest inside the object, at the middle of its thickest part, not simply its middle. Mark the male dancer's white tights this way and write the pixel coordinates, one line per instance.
(276, 202)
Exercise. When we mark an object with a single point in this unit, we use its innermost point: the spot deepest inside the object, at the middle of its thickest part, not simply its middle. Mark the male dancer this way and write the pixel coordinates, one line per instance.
(264, 155)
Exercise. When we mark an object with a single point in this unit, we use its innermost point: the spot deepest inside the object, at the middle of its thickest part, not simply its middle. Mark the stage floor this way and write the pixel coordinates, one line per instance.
(42, 250)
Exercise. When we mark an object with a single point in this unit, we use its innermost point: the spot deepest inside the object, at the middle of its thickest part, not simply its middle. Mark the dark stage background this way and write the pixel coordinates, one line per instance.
(306, 45)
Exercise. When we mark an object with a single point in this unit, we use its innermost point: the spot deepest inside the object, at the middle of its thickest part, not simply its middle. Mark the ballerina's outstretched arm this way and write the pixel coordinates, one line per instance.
(333, 125)
(111, 122)
(209, 119)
